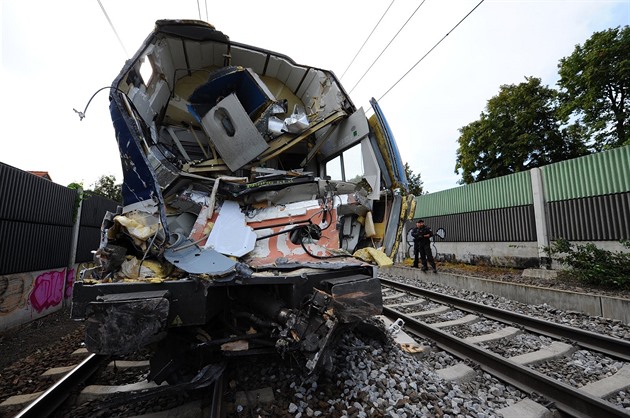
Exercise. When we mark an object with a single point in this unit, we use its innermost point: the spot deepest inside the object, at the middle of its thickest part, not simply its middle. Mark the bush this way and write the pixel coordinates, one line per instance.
(593, 265)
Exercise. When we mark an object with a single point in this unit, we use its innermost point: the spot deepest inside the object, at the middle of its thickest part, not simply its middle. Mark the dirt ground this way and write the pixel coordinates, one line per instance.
(42, 335)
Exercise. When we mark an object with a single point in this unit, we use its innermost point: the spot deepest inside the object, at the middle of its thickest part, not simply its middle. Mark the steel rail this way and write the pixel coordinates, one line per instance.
(568, 399)
(46, 404)
(614, 347)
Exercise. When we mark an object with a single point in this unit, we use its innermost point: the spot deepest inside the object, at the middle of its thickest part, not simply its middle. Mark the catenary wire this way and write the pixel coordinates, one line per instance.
(387, 46)
(432, 48)
(367, 39)
(113, 28)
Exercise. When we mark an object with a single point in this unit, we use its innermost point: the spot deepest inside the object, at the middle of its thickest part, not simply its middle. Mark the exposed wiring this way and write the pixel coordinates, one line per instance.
(280, 232)
(82, 114)
(147, 251)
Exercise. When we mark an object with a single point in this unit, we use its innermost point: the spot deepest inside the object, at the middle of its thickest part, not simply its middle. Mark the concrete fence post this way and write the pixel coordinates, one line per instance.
(540, 215)
(74, 243)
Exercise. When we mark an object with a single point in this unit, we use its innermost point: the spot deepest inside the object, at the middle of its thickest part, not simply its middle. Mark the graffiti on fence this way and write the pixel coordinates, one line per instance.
(42, 290)
(48, 290)
(11, 293)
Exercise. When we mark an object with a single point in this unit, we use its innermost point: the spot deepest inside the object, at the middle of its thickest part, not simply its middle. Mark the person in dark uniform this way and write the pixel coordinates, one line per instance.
(422, 244)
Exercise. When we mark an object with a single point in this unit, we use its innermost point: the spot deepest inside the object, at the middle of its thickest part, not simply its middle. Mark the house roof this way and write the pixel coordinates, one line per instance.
(43, 174)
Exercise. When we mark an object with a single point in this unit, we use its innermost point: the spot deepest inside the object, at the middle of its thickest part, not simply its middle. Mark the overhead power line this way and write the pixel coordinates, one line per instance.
(367, 39)
(113, 28)
(430, 50)
(387, 46)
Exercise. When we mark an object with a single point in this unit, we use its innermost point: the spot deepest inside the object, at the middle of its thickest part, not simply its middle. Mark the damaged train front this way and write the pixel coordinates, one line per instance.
(243, 230)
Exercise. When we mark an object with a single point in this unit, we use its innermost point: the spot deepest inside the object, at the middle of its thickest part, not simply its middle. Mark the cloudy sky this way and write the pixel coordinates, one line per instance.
(56, 55)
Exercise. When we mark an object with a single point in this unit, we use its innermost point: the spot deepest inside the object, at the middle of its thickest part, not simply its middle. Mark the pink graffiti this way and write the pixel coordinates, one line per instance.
(47, 290)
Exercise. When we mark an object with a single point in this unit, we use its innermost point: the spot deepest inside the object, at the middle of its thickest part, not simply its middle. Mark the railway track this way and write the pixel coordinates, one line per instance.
(372, 378)
(420, 309)
(86, 390)
(50, 400)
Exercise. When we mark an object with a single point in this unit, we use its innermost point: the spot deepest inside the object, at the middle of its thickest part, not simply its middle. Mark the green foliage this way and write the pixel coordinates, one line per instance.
(75, 186)
(106, 186)
(593, 265)
(519, 130)
(80, 192)
(528, 125)
(595, 87)
(416, 187)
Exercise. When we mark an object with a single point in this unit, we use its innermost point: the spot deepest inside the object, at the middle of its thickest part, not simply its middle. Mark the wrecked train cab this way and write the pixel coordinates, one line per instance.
(257, 203)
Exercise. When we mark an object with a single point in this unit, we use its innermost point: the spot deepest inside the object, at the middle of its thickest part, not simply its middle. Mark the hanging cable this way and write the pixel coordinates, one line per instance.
(82, 114)
(367, 39)
(430, 50)
(113, 28)
(198, 10)
(387, 46)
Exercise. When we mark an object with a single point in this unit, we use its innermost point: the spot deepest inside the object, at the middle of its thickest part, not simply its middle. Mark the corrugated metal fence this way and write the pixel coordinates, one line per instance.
(585, 199)
(37, 220)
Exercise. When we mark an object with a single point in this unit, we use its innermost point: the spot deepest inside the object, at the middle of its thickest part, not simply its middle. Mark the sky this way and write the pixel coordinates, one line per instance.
(56, 55)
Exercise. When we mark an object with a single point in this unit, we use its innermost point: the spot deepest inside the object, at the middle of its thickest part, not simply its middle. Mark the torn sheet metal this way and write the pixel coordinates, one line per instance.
(230, 234)
(192, 259)
(233, 133)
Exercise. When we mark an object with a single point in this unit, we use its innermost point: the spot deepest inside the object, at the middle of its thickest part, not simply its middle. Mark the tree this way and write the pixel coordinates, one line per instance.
(519, 130)
(106, 186)
(414, 181)
(594, 85)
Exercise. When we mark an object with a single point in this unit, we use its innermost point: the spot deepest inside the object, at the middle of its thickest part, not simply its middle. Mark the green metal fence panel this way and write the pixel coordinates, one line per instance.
(503, 192)
(598, 174)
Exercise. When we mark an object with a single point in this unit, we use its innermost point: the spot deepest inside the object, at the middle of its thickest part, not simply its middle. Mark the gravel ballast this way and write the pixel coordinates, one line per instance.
(370, 378)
